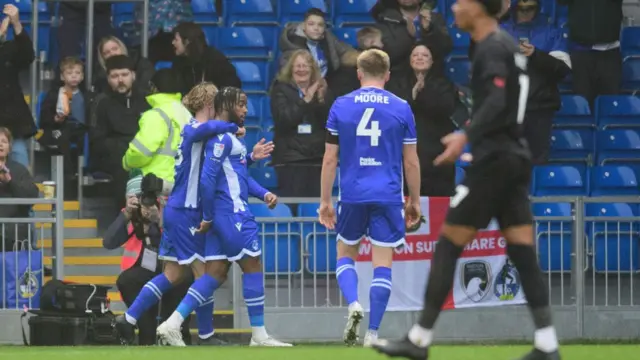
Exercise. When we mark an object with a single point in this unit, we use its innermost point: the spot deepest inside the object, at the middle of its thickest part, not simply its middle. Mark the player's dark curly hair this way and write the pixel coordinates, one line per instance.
(226, 99)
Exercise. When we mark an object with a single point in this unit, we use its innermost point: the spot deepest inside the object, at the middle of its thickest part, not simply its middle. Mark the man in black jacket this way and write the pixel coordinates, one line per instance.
(549, 63)
(15, 56)
(115, 120)
(594, 31)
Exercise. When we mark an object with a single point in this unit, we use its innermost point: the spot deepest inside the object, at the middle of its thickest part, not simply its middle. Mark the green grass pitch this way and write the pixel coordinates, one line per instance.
(460, 352)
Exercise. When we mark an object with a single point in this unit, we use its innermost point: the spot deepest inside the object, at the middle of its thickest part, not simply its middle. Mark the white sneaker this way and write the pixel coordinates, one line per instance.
(352, 329)
(269, 342)
(370, 338)
(169, 336)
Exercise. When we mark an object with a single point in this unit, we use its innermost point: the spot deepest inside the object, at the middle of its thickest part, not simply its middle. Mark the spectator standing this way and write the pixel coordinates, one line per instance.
(116, 117)
(15, 182)
(73, 25)
(300, 103)
(594, 32)
(110, 46)
(311, 34)
(63, 114)
(402, 23)
(15, 56)
(196, 62)
(433, 99)
(548, 64)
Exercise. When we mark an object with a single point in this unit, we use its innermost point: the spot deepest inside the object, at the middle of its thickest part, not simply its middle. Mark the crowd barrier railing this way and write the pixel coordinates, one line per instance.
(588, 249)
(22, 264)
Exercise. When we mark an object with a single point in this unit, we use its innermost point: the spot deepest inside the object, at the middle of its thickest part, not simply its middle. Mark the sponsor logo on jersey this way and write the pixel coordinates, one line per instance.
(475, 279)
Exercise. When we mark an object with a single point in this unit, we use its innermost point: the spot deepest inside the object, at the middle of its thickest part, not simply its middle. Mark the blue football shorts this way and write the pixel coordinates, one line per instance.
(180, 243)
(232, 237)
(382, 224)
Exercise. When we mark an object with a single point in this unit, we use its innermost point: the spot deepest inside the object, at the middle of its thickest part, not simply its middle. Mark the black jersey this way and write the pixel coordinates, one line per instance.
(500, 88)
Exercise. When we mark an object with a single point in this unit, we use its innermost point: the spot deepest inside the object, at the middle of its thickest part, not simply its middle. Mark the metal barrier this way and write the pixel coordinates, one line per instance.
(588, 249)
(21, 234)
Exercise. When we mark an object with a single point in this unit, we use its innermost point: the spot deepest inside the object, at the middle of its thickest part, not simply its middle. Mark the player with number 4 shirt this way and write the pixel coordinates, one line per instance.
(496, 184)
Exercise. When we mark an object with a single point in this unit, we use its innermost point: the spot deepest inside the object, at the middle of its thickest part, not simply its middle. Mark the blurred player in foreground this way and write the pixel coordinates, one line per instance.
(371, 132)
(225, 187)
(496, 184)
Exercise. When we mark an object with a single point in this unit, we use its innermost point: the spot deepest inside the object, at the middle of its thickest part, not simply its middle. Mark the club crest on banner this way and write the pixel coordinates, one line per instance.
(507, 283)
(476, 279)
(29, 284)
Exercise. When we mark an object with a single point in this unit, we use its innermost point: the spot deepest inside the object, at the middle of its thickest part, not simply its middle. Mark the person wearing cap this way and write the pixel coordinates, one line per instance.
(154, 147)
(546, 50)
(114, 121)
(137, 230)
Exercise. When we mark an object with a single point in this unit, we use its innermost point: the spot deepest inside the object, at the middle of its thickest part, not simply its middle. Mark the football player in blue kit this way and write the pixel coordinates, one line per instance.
(372, 134)
(225, 187)
(182, 247)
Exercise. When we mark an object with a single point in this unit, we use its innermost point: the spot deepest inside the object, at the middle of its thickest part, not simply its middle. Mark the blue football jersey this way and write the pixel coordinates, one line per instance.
(185, 193)
(372, 126)
(225, 183)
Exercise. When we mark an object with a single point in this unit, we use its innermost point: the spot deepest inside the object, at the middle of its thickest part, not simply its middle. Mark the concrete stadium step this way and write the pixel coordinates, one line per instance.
(80, 247)
(73, 229)
(106, 280)
(71, 210)
(88, 265)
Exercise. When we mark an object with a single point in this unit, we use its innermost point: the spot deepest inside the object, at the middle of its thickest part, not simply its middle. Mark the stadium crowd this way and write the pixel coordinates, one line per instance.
(132, 96)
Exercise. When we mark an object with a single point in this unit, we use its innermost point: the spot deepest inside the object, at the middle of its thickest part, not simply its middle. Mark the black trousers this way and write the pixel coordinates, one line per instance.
(130, 282)
(436, 181)
(596, 73)
(537, 131)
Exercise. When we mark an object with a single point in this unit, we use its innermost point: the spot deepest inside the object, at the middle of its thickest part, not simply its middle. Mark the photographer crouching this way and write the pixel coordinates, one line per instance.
(137, 228)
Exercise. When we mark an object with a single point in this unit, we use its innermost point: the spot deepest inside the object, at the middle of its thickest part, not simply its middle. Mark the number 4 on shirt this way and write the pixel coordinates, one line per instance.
(374, 131)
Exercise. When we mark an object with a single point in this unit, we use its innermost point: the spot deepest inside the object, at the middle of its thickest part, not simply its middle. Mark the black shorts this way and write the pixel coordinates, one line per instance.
(496, 187)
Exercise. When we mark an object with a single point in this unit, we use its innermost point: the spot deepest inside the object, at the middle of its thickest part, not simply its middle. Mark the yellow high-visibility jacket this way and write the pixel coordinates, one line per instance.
(154, 148)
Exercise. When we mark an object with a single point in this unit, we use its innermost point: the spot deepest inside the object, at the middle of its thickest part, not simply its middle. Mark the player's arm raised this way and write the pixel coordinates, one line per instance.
(411, 168)
(215, 151)
(212, 128)
(328, 175)
(486, 119)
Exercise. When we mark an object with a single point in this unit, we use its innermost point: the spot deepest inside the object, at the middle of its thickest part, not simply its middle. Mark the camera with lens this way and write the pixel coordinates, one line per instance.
(151, 188)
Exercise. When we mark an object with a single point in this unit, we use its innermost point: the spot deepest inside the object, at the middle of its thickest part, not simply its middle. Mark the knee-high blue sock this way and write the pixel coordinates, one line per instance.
(201, 290)
(150, 295)
(347, 279)
(379, 294)
(204, 316)
(253, 292)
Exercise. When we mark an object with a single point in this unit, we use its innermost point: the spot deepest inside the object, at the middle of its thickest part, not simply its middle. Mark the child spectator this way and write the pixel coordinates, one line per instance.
(63, 114)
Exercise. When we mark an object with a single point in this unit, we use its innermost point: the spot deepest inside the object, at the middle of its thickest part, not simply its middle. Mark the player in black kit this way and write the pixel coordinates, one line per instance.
(496, 184)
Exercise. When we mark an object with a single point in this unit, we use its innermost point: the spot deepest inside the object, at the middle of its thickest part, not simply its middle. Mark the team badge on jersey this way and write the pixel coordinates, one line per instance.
(218, 149)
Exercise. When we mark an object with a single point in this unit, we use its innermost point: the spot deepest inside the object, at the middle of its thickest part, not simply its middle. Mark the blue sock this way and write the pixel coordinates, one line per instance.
(379, 294)
(347, 279)
(204, 316)
(253, 292)
(150, 295)
(201, 290)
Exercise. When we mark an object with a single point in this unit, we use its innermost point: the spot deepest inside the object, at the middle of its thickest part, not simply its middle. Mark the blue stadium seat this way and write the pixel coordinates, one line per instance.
(25, 8)
(265, 176)
(458, 68)
(461, 41)
(631, 73)
(574, 111)
(554, 238)
(630, 41)
(460, 173)
(251, 138)
(352, 12)
(204, 11)
(293, 10)
(319, 242)
(251, 12)
(348, 35)
(163, 65)
(553, 180)
(613, 180)
(562, 13)
(267, 135)
(618, 111)
(210, 34)
(41, 97)
(619, 145)
(122, 13)
(281, 250)
(246, 42)
(253, 75)
(572, 145)
(267, 119)
(44, 37)
(254, 111)
(614, 243)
